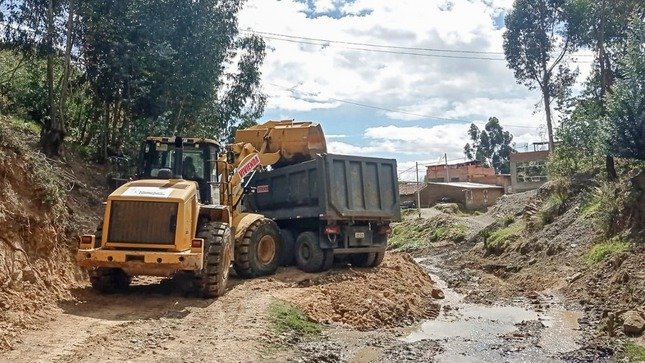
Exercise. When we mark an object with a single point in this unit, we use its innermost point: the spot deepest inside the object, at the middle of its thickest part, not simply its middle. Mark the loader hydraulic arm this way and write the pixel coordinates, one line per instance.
(274, 143)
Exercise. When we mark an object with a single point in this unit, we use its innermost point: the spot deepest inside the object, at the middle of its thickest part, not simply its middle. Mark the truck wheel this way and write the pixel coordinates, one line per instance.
(109, 280)
(309, 256)
(288, 255)
(329, 260)
(362, 259)
(378, 258)
(259, 251)
(218, 252)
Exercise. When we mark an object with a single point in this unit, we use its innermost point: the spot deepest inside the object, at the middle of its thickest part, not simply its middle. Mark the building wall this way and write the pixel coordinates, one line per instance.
(502, 180)
(457, 173)
(528, 170)
(472, 199)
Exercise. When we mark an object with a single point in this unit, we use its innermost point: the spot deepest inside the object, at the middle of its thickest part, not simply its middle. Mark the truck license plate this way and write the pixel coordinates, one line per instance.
(359, 235)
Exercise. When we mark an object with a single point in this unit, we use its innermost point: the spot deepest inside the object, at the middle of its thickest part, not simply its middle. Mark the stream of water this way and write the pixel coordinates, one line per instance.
(471, 332)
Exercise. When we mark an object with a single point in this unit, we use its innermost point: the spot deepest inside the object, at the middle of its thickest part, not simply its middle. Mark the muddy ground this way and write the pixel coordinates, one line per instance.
(445, 299)
(477, 314)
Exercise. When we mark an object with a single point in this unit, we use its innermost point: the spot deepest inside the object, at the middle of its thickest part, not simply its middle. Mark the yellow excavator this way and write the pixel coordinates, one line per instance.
(183, 214)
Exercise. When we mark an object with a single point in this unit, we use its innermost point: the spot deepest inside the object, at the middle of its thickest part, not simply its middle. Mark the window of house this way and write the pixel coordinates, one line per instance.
(531, 171)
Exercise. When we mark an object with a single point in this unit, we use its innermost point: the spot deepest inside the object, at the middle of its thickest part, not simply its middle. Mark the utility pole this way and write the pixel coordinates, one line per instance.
(418, 191)
(445, 156)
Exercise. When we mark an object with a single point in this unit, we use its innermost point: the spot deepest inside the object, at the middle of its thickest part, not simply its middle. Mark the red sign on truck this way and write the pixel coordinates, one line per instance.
(248, 167)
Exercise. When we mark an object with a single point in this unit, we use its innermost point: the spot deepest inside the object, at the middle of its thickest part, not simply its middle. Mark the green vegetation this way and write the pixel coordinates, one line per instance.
(604, 204)
(455, 232)
(508, 219)
(416, 234)
(105, 74)
(497, 241)
(604, 249)
(634, 352)
(287, 318)
(490, 146)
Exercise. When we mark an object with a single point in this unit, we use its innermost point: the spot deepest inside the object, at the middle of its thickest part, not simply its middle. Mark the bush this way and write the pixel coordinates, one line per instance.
(604, 204)
(287, 318)
(602, 250)
(497, 241)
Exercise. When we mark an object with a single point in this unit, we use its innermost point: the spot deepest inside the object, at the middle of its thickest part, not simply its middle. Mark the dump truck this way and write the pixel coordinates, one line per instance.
(183, 212)
(331, 206)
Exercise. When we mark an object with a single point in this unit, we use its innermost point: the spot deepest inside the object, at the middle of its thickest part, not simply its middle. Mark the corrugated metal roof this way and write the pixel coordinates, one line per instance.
(410, 188)
(469, 185)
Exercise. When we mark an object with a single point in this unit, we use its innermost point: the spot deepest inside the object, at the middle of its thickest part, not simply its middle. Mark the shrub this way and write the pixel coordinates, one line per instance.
(287, 318)
(602, 250)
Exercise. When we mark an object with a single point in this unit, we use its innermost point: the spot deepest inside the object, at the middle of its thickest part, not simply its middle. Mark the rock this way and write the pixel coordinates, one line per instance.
(575, 277)
(633, 322)
(29, 275)
(437, 294)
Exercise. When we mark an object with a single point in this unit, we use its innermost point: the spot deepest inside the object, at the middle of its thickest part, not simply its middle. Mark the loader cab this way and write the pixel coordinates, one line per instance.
(182, 158)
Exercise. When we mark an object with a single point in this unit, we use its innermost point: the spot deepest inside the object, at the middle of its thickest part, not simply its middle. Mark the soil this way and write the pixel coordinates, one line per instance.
(535, 298)
(44, 205)
(399, 292)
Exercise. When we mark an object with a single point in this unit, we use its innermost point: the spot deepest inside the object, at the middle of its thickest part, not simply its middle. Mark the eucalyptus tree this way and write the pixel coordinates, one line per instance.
(536, 44)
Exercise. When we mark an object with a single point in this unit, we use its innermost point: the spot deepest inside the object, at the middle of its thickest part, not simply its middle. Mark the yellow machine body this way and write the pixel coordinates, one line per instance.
(149, 225)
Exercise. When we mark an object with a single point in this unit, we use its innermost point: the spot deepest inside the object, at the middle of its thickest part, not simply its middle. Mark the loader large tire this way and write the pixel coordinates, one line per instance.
(309, 256)
(109, 280)
(258, 253)
(218, 253)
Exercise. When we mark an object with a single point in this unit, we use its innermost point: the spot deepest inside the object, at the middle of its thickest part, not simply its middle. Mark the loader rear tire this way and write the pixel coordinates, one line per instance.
(109, 280)
(218, 253)
(309, 256)
(362, 259)
(258, 254)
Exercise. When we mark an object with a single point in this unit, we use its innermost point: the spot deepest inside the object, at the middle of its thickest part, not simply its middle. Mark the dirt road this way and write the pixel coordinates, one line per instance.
(150, 323)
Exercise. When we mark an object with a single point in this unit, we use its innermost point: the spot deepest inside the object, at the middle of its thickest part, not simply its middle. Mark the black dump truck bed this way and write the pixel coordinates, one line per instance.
(329, 187)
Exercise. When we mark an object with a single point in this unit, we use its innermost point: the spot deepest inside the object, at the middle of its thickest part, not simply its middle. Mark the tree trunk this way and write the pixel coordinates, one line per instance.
(53, 133)
(605, 84)
(547, 110)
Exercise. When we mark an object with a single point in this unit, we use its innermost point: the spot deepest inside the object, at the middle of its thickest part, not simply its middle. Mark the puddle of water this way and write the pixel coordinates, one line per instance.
(475, 333)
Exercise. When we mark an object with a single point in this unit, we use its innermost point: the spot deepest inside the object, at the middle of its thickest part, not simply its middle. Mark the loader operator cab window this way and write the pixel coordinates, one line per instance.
(194, 164)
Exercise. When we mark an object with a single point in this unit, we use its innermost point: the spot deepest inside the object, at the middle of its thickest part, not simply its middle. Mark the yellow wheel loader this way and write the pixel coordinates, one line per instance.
(183, 213)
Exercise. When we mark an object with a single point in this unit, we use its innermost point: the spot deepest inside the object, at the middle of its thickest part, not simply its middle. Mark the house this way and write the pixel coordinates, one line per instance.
(408, 193)
(473, 196)
(528, 169)
(461, 172)
(470, 171)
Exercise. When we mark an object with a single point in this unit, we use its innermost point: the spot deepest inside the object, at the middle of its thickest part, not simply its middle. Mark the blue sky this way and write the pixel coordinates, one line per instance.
(435, 95)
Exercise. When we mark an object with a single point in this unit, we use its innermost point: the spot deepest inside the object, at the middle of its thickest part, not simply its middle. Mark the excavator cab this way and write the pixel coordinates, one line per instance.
(188, 159)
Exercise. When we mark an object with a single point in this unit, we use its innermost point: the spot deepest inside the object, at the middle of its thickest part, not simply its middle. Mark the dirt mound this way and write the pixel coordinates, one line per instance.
(397, 293)
(37, 229)
(512, 204)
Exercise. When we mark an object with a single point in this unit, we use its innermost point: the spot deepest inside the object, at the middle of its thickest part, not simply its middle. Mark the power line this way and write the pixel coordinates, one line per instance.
(292, 90)
(327, 42)
(390, 51)
(374, 45)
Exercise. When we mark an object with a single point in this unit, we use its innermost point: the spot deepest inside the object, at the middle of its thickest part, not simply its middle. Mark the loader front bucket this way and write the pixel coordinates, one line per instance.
(295, 141)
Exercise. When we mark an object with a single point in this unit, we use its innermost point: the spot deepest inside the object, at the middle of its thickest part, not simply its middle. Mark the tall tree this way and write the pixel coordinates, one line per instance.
(35, 28)
(491, 146)
(172, 67)
(535, 46)
(601, 25)
(626, 105)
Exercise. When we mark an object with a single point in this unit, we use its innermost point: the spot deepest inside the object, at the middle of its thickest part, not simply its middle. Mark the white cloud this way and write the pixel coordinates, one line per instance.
(302, 77)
